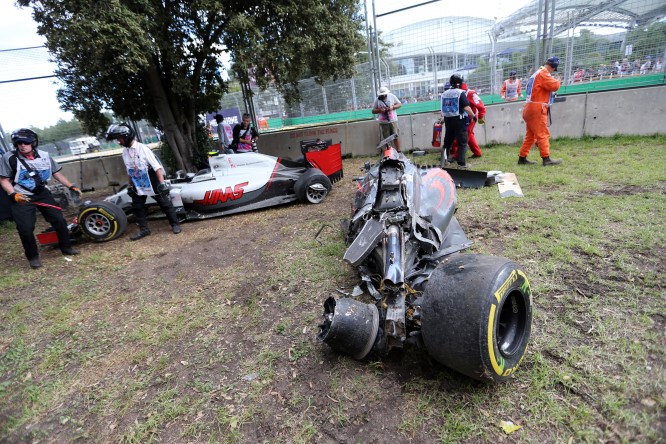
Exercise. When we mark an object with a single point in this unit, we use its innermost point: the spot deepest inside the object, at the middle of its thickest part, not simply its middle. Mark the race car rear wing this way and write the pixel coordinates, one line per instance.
(325, 156)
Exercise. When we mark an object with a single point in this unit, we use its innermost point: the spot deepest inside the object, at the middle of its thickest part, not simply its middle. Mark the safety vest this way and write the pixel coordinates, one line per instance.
(530, 84)
(511, 88)
(451, 102)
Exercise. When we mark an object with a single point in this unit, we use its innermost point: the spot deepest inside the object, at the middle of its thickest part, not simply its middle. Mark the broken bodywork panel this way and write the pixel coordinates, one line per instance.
(403, 237)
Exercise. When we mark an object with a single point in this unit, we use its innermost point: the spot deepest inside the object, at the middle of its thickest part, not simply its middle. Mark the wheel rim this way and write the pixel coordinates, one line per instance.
(97, 224)
(316, 193)
(512, 324)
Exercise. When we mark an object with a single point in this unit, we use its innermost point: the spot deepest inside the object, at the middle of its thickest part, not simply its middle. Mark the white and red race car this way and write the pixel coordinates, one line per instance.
(233, 183)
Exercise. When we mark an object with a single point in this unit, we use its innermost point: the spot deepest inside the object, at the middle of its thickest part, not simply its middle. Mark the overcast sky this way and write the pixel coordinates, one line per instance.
(33, 102)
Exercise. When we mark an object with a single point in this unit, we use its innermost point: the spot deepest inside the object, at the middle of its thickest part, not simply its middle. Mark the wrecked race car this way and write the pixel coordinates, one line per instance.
(472, 313)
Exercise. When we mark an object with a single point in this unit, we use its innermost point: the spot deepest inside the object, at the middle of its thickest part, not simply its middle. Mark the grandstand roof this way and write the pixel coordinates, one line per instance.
(597, 13)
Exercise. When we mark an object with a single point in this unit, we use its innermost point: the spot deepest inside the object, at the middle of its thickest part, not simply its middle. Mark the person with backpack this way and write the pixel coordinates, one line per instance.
(146, 179)
(24, 174)
(245, 136)
(454, 107)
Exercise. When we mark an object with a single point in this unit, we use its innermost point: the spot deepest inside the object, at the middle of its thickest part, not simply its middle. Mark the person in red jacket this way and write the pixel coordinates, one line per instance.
(479, 109)
(540, 94)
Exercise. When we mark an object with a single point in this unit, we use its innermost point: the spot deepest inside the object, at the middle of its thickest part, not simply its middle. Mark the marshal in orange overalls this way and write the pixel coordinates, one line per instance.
(535, 112)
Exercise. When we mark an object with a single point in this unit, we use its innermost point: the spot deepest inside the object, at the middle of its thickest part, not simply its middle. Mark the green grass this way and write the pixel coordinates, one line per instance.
(200, 338)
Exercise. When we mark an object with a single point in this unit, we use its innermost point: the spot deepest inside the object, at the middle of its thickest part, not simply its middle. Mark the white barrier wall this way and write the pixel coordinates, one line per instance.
(635, 111)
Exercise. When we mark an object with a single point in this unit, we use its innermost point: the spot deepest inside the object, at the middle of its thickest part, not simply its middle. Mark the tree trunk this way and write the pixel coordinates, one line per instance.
(180, 143)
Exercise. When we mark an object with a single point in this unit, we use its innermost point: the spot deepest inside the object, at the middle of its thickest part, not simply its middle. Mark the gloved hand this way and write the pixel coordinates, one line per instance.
(475, 118)
(76, 192)
(19, 198)
(163, 189)
(482, 120)
(131, 191)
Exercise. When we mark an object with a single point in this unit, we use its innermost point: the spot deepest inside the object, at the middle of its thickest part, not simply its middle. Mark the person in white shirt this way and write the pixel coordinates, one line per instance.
(146, 178)
(385, 105)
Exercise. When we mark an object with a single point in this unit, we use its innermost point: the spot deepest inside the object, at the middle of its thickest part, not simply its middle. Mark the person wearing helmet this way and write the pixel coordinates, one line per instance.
(540, 93)
(510, 89)
(385, 106)
(24, 173)
(479, 110)
(145, 177)
(456, 111)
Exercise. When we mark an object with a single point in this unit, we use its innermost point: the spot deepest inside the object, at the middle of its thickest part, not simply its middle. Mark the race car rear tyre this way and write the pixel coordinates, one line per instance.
(312, 187)
(477, 316)
(102, 221)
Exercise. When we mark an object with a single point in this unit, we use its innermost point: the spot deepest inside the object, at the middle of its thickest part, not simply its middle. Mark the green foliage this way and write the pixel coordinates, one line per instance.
(161, 61)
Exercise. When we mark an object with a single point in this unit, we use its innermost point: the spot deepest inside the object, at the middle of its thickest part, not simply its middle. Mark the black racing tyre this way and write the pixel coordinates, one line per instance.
(312, 187)
(477, 316)
(102, 221)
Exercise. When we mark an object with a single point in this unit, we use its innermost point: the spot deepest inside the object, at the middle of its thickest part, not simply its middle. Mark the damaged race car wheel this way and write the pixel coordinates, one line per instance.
(102, 221)
(477, 316)
(312, 187)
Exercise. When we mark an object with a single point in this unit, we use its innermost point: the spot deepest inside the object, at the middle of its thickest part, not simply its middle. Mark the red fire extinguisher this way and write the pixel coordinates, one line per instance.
(437, 134)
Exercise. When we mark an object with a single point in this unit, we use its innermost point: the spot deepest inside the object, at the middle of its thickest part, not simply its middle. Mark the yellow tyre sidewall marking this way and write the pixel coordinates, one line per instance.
(112, 220)
(498, 364)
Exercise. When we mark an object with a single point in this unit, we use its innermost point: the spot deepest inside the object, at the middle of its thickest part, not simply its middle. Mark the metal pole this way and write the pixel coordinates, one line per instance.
(552, 28)
(538, 37)
(323, 95)
(545, 30)
(374, 22)
(353, 91)
(368, 37)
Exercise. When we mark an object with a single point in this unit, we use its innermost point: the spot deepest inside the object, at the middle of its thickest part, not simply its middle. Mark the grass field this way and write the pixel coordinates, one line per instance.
(210, 336)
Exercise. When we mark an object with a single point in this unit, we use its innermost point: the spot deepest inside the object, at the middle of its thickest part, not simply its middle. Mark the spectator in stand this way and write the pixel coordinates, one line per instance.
(625, 67)
(636, 67)
(658, 65)
(645, 67)
(510, 89)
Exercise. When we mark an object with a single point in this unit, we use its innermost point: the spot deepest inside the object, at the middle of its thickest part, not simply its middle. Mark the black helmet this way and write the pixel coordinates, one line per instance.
(456, 80)
(25, 135)
(123, 130)
(512, 73)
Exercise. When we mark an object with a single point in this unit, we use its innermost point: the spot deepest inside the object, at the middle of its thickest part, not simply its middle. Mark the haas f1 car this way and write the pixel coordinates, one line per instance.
(233, 183)
(472, 313)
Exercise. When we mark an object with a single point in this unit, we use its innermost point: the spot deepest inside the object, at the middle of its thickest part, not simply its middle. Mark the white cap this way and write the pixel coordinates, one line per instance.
(383, 91)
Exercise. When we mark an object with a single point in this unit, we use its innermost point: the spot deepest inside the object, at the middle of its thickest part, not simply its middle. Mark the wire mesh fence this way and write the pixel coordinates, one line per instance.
(601, 45)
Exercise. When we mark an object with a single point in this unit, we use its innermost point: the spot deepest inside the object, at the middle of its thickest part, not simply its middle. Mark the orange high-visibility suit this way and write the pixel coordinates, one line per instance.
(540, 90)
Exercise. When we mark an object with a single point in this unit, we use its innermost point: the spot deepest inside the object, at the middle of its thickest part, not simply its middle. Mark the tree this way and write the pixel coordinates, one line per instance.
(160, 59)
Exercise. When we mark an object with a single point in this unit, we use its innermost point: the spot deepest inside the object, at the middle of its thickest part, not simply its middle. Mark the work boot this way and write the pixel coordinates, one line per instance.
(463, 167)
(176, 228)
(548, 161)
(34, 263)
(143, 232)
(475, 156)
(524, 161)
(70, 251)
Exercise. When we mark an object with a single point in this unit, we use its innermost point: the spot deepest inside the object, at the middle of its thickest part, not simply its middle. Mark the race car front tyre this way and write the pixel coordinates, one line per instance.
(102, 221)
(312, 187)
(477, 316)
